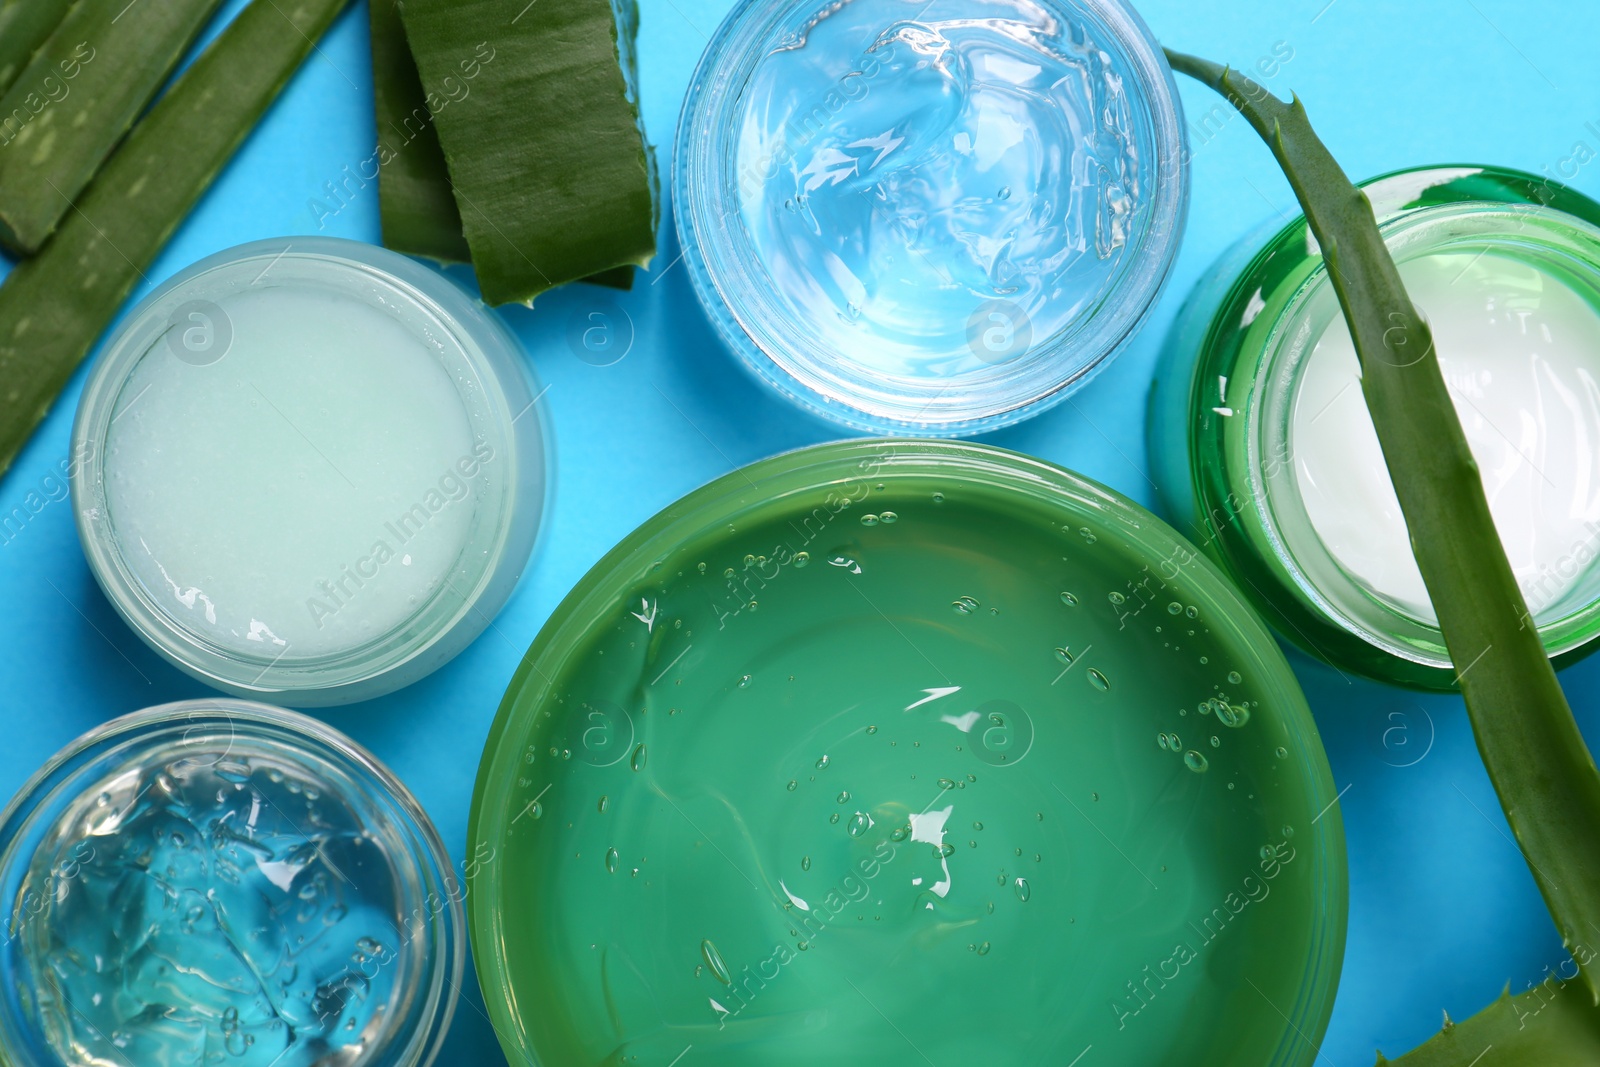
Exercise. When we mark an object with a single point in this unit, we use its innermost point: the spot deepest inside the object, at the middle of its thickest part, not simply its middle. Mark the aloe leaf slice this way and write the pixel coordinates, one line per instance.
(76, 99)
(1529, 742)
(548, 164)
(55, 305)
(1551, 1025)
(24, 26)
(416, 208)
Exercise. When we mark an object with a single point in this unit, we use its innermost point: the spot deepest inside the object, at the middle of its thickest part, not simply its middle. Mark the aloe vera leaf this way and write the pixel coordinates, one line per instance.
(1530, 744)
(54, 306)
(1551, 1025)
(615, 278)
(546, 158)
(76, 99)
(416, 208)
(24, 26)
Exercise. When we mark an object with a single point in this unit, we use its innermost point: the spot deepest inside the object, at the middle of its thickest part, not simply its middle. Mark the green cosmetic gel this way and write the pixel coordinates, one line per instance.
(902, 754)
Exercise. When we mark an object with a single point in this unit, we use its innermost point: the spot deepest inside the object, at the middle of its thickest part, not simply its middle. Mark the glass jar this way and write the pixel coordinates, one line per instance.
(871, 729)
(1264, 453)
(310, 468)
(217, 880)
(934, 220)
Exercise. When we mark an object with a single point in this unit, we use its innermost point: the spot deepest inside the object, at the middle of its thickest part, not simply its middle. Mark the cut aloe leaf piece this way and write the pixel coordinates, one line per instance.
(76, 99)
(549, 168)
(24, 26)
(416, 208)
(55, 305)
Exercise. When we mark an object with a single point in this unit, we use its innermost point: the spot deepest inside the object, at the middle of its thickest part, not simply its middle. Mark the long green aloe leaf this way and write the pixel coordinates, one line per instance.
(76, 99)
(1552, 1025)
(24, 26)
(416, 206)
(546, 159)
(1536, 758)
(54, 306)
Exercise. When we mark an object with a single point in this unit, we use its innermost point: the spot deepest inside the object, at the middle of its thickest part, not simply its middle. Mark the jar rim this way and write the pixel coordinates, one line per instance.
(472, 338)
(730, 278)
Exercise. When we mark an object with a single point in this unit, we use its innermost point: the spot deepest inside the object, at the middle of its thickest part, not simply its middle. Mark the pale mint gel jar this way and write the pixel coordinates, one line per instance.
(933, 218)
(223, 882)
(1265, 455)
(309, 468)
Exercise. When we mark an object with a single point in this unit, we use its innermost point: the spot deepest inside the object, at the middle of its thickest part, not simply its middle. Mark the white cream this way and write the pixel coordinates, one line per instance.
(1520, 352)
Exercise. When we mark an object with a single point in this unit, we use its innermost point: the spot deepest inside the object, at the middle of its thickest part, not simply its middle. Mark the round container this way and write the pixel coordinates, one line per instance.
(935, 218)
(880, 751)
(310, 468)
(217, 880)
(1265, 454)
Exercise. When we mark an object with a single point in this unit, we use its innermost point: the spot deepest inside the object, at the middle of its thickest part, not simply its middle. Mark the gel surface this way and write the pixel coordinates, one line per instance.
(218, 905)
(903, 168)
(920, 778)
(299, 495)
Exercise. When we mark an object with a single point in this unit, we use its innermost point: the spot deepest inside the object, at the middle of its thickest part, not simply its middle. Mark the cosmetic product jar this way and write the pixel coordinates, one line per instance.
(906, 730)
(221, 881)
(309, 468)
(1264, 451)
(931, 218)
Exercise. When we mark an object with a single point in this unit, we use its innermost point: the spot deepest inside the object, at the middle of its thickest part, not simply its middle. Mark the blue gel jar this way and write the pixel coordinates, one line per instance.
(216, 881)
(932, 218)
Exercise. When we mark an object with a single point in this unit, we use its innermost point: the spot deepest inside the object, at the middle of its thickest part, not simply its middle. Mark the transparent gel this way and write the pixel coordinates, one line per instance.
(214, 907)
(216, 882)
(903, 165)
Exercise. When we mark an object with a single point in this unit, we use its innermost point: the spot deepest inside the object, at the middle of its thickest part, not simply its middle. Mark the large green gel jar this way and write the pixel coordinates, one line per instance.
(906, 753)
(1263, 451)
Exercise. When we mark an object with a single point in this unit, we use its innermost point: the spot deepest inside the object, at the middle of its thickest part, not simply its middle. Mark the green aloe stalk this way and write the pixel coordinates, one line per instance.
(1553, 1024)
(54, 306)
(24, 26)
(76, 99)
(1536, 758)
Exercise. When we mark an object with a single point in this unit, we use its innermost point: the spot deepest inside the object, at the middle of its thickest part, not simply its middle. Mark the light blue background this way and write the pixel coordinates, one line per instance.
(1443, 912)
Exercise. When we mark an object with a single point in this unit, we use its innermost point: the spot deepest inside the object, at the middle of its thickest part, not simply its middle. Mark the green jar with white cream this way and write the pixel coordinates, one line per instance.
(1264, 452)
(309, 469)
